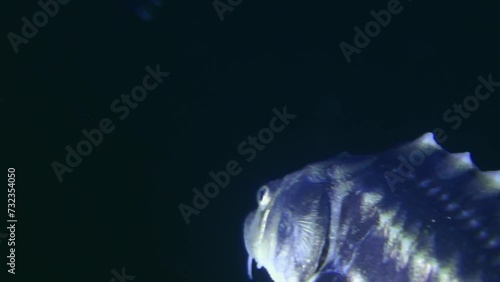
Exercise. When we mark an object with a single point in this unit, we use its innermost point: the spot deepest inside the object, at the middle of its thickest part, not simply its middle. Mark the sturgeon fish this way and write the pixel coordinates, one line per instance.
(414, 213)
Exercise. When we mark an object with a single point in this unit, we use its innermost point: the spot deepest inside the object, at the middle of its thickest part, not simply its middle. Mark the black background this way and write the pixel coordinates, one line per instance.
(119, 207)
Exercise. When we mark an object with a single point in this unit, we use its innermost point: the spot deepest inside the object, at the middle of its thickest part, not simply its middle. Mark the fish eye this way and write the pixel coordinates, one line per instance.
(263, 197)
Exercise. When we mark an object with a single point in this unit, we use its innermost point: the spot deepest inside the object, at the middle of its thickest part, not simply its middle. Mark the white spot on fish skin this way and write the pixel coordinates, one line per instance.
(474, 223)
(385, 218)
(493, 242)
(425, 183)
(444, 197)
(424, 267)
(465, 214)
(434, 191)
(447, 274)
(482, 235)
(452, 206)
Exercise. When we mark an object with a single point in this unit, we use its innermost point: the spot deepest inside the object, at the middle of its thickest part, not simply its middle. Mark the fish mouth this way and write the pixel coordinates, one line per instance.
(255, 224)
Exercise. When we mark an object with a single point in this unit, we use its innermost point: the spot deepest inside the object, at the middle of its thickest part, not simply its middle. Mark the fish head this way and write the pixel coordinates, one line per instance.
(288, 233)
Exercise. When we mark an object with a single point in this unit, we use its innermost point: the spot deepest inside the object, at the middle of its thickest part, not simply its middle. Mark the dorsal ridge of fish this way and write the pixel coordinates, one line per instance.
(461, 162)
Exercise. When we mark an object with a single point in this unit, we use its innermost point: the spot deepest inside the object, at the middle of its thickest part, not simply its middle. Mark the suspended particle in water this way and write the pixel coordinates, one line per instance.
(145, 9)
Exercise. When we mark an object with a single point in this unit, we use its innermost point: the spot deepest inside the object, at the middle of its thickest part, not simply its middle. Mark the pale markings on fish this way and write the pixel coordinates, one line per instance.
(315, 173)
(452, 206)
(448, 269)
(369, 202)
(474, 223)
(455, 165)
(385, 218)
(263, 225)
(393, 247)
(356, 276)
(444, 197)
(401, 246)
(464, 160)
(421, 267)
(340, 192)
(447, 274)
(424, 267)
(260, 252)
(493, 178)
(488, 183)
(493, 242)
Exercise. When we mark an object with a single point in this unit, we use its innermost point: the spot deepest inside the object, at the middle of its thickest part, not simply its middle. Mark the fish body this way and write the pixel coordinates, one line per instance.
(415, 213)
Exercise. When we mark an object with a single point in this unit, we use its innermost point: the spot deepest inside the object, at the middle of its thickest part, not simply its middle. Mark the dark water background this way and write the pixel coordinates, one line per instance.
(119, 207)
